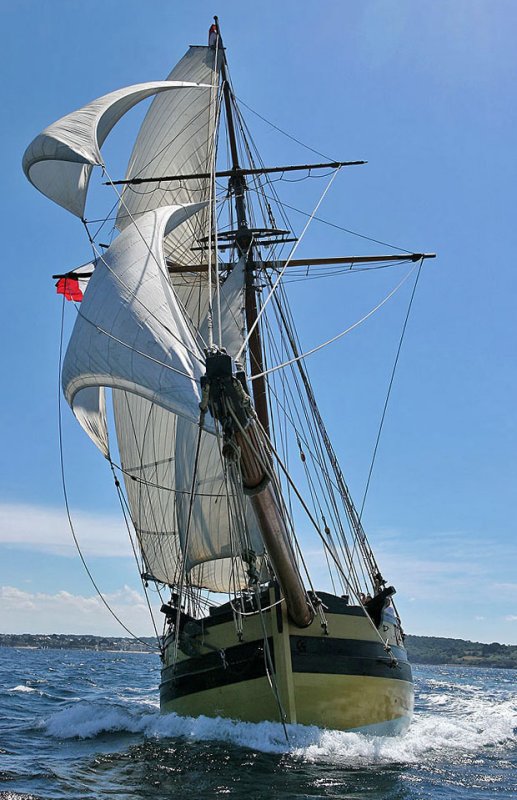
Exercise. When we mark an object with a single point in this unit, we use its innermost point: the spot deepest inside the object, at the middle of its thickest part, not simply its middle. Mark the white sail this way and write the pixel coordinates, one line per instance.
(131, 332)
(146, 434)
(172, 525)
(227, 306)
(90, 412)
(157, 451)
(59, 161)
(228, 309)
(176, 138)
(206, 525)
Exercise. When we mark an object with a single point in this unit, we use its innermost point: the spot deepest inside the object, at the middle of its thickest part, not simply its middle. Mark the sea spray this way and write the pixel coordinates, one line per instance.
(480, 723)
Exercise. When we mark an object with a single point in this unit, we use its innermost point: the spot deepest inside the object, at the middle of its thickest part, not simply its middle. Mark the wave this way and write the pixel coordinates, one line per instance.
(16, 796)
(22, 689)
(482, 725)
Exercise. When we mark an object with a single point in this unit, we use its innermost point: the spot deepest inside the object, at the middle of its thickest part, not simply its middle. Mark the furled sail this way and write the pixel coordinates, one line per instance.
(131, 332)
(176, 138)
(59, 161)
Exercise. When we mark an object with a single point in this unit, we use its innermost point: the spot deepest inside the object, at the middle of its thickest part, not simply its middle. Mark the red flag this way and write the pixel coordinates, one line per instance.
(74, 283)
(70, 288)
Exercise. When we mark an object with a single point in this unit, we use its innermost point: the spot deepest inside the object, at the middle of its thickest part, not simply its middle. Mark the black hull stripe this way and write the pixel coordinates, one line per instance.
(241, 663)
(320, 655)
(236, 658)
(323, 655)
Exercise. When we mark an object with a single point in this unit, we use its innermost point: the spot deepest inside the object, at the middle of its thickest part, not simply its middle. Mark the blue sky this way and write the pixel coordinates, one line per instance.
(426, 93)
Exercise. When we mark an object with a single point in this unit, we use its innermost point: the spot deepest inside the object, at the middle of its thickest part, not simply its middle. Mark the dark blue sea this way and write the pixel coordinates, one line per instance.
(82, 724)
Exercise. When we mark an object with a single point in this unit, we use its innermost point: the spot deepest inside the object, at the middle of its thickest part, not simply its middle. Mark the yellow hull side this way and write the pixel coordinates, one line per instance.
(337, 702)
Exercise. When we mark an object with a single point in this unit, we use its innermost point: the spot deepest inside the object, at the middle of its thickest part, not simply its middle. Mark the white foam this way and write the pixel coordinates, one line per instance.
(16, 796)
(86, 720)
(22, 689)
(450, 735)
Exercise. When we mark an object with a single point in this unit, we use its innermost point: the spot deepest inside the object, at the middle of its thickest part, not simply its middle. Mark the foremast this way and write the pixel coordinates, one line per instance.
(247, 431)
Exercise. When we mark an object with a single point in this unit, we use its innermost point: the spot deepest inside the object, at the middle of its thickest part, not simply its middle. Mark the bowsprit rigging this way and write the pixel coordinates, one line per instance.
(184, 322)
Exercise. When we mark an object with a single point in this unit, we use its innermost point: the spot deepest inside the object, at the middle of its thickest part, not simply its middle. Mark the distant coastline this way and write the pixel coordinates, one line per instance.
(421, 649)
(72, 641)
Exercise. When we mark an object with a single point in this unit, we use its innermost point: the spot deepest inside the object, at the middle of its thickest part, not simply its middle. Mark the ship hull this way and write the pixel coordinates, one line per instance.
(339, 677)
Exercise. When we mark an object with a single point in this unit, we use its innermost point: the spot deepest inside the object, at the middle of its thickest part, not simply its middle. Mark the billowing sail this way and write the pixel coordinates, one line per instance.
(59, 161)
(131, 332)
(146, 434)
(174, 515)
(176, 138)
(174, 526)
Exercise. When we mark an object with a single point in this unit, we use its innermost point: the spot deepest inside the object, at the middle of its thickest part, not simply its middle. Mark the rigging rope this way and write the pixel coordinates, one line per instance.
(291, 254)
(339, 335)
(284, 133)
(187, 540)
(314, 425)
(324, 449)
(125, 513)
(390, 387)
(339, 227)
(325, 544)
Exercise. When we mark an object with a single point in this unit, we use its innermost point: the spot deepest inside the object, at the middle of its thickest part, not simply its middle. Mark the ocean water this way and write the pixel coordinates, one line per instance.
(81, 724)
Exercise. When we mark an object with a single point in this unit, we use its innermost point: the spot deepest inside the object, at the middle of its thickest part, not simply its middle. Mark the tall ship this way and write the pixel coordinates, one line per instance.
(185, 369)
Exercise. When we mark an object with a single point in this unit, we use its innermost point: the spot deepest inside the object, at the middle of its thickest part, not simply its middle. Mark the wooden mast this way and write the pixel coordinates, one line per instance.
(254, 471)
(244, 241)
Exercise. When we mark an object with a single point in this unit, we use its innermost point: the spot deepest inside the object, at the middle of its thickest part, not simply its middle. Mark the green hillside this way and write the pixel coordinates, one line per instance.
(438, 650)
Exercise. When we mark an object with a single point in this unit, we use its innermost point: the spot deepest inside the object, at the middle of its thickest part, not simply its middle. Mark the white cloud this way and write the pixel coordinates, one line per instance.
(511, 618)
(47, 530)
(441, 564)
(445, 564)
(64, 612)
